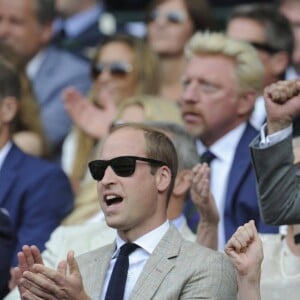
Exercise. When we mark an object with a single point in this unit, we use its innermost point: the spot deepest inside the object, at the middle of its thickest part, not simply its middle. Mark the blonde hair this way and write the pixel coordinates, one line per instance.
(248, 70)
(148, 82)
(155, 108)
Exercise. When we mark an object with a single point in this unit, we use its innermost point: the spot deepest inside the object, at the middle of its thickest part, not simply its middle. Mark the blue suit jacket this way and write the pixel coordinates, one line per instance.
(37, 194)
(6, 251)
(241, 202)
(59, 70)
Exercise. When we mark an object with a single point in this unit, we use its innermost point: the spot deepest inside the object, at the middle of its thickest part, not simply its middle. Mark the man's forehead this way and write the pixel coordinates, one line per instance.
(125, 141)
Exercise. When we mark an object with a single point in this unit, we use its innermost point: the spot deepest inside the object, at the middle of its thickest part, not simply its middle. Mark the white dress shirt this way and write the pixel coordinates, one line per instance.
(3, 152)
(137, 259)
(224, 150)
(272, 139)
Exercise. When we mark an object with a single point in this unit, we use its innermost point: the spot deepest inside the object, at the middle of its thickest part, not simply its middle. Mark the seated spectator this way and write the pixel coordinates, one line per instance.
(6, 250)
(170, 24)
(26, 26)
(290, 9)
(28, 132)
(123, 66)
(197, 270)
(260, 24)
(36, 193)
(216, 108)
(77, 28)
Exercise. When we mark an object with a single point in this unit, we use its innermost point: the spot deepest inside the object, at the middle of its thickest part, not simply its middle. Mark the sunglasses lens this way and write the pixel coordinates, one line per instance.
(152, 16)
(119, 69)
(123, 166)
(175, 17)
(97, 169)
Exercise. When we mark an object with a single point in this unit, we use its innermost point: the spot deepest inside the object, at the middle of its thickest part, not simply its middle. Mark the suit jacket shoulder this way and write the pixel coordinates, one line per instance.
(36, 193)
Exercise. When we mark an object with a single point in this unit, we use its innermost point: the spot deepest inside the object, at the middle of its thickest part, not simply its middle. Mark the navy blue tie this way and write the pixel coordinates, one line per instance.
(207, 157)
(117, 282)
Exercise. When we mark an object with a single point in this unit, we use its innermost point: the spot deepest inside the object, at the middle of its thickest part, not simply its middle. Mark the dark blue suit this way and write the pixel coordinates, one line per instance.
(6, 251)
(37, 194)
(241, 202)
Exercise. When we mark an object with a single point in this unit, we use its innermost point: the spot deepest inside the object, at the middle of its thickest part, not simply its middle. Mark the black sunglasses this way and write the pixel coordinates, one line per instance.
(123, 166)
(174, 16)
(115, 68)
(264, 47)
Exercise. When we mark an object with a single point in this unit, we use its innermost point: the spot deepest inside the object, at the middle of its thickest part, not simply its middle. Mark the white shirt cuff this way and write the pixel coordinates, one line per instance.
(270, 140)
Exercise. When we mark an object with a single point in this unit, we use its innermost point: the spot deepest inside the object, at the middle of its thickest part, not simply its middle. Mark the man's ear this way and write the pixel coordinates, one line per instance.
(246, 103)
(183, 182)
(163, 178)
(8, 109)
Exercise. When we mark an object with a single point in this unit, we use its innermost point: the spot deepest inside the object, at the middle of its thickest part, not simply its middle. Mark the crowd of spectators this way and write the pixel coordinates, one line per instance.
(93, 92)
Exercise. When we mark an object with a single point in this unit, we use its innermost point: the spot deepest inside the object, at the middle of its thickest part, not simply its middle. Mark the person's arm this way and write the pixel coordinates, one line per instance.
(207, 230)
(246, 253)
(42, 281)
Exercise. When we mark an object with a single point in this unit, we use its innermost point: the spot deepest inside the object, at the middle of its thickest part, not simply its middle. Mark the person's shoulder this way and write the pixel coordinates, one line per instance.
(34, 165)
(72, 60)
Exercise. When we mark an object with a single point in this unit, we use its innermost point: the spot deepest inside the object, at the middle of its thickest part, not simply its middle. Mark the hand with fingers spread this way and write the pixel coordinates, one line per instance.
(246, 252)
(93, 120)
(27, 258)
(207, 231)
(282, 100)
(44, 283)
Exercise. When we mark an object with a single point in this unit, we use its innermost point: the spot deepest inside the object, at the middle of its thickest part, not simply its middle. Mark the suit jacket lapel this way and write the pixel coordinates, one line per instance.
(160, 263)
(240, 166)
(8, 172)
(95, 263)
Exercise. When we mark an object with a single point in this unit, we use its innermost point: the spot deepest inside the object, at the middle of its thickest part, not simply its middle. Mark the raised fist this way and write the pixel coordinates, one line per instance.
(282, 91)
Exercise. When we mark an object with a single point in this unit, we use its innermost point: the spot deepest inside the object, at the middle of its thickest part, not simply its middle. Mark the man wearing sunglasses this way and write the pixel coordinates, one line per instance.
(261, 24)
(136, 174)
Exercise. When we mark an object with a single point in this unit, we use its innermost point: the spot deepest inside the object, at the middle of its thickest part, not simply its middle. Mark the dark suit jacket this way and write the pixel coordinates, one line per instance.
(37, 195)
(177, 269)
(241, 202)
(59, 70)
(278, 182)
(6, 251)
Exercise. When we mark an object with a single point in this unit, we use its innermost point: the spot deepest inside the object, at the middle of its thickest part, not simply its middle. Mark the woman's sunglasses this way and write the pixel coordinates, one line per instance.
(115, 68)
(174, 16)
(123, 166)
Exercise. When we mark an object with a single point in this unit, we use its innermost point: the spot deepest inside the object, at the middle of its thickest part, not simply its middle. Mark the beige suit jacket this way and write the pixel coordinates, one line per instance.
(177, 269)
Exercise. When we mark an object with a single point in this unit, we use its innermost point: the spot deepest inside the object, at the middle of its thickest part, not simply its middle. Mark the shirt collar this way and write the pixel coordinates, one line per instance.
(224, 148)
(34, 64)
(149, 241)
(79, 22)
(3, 152)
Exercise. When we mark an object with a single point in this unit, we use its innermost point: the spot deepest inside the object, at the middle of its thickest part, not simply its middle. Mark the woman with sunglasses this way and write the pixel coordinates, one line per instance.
(123, 66)
(170, 24)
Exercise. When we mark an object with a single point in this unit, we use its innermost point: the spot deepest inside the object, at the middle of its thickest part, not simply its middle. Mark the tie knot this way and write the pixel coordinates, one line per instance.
(207, 157)
(127, 249)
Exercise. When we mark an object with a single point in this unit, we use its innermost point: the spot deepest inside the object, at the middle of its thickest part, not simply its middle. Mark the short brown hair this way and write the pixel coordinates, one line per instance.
(158, 146)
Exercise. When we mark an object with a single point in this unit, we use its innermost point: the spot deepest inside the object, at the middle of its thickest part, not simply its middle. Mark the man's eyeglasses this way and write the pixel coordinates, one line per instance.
(123, 166)
(115, 68)
(264, 47)
(174, 16)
